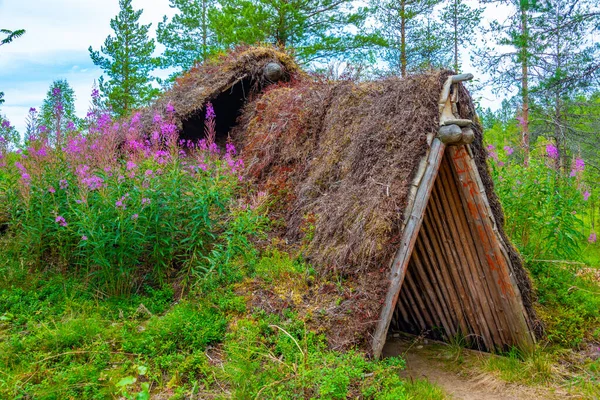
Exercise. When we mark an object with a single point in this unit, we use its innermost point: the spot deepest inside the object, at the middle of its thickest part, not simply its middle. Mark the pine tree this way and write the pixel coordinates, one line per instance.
(514, 67)
(126, 58)
(10, 35)
(318, 30)
(568, 69)
(463, 21)
(413, 38)
(189, 36)
(57, 115)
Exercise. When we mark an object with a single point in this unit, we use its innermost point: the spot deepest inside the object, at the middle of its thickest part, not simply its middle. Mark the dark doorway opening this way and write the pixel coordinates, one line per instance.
(227, 106)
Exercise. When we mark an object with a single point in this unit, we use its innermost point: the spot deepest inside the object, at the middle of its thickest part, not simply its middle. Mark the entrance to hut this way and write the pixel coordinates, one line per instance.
(451, 290)
(227, 105)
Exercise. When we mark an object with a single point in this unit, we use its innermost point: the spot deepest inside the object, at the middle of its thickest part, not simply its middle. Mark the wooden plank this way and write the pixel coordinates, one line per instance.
(477, 207)
(430, 291)
(471, 266)
(409, 236)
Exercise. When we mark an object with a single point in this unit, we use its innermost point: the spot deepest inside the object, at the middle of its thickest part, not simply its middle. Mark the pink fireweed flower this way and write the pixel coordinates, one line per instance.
(203, 166)
(84, 238)
(586, 195)
(592, 239)
(579, 166)
(509, 150)
(51, 190)
(145, 201)
(61, 221)
(26, 178)
(42, 152)
(135, 216)
(63, 184)
(93, 182)
(210, 111)
(157, 118)
(230, 148)
(130, 165)
(501, 163)
(490, 147)
(20, 167)
(71, 126)
(170, 109)
(120, 204)
(148, 172)
(82, 170)
(521, 120)
(552, 151)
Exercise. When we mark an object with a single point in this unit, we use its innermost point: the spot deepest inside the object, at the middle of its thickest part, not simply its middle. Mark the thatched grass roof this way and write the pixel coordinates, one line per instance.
(339, 157)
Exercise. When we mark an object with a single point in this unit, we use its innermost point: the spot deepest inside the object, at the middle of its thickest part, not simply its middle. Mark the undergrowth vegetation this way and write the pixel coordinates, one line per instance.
(124, 261)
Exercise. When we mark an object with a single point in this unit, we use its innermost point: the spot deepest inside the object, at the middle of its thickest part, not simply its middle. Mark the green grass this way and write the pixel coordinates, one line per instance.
(59, 340)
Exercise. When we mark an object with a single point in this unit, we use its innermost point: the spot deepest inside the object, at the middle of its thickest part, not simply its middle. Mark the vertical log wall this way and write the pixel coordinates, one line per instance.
(457, 282)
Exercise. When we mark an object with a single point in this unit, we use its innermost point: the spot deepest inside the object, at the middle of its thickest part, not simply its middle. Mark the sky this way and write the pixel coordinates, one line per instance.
(55, 46)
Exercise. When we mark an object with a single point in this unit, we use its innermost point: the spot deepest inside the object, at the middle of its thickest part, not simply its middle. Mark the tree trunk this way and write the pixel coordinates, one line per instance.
(402, 38)
(524, 85)
(455, 21)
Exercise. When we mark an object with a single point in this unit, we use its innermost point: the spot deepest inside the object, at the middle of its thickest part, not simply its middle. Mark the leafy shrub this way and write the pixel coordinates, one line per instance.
(542, 206)
(124, 207)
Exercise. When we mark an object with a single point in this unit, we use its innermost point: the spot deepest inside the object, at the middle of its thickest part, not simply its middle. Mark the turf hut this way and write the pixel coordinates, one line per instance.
(383, 187)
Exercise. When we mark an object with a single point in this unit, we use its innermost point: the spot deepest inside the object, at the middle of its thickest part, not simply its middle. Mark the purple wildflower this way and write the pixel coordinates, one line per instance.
(51, 190)
(509, 150)
(157, 118)
(145, 201)
(84, 238)
(586, 195)
(6, 124)
(61, 221)
(135, 216)
(230, 148)
(148, 172)
(490, 147)
(130, 165)
(210, 111)
(170, 108)
(592, 239)
(552, 151)
(63, 184)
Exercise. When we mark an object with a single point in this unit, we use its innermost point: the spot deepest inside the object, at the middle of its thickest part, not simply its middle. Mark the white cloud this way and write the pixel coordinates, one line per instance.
(55, 46)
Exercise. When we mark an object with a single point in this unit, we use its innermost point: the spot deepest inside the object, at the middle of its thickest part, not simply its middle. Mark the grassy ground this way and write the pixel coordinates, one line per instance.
(58, 340)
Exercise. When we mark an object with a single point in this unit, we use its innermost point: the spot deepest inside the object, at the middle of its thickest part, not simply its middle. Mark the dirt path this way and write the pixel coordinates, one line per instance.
(427, 361)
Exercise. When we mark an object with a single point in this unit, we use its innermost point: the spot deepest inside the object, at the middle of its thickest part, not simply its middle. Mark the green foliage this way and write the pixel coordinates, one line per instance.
(10, 36)
(414, 39)
(190, 36)
(287, 361)
(127, 59)
(570, 305)
(463, 21)
(57, 114)
(541, 206)
(314, 31)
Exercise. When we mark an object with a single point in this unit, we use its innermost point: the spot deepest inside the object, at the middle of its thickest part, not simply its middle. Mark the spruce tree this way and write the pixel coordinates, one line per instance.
(189, 36)
(58, 111)
(127, 59)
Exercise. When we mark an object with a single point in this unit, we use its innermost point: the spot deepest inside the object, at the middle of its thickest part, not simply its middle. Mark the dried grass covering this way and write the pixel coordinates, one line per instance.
(206, 81)
(339, 159)
(342, 156)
